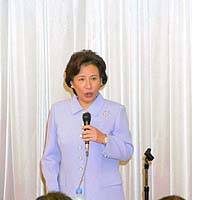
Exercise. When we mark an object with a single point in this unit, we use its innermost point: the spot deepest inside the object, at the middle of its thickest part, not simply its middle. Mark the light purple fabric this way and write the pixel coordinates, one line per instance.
(64, 155)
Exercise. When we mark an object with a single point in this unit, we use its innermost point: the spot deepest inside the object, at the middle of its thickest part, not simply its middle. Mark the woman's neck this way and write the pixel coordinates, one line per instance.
(85, 105)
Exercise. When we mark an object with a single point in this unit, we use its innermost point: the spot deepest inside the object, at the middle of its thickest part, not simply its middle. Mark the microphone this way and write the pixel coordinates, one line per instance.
(148, 154)
(86, 120)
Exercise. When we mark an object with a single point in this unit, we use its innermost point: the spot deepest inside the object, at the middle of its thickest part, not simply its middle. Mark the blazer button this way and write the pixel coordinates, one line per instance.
(81, 168)
(81, 158)
(105, 156)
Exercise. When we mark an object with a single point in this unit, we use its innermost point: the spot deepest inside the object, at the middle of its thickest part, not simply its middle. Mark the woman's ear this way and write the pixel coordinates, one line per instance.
(71, 84)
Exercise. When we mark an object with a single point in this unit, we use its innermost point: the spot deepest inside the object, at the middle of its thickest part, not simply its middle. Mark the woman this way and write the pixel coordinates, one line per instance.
(65, 165)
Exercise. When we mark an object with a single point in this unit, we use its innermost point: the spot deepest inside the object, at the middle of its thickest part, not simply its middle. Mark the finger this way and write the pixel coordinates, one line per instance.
(85, 127)
(87, 131)
(87, 138)
(86, 135)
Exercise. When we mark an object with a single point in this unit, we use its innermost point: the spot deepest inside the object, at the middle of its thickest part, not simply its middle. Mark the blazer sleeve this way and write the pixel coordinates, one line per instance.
(50, 161)
(119, 144)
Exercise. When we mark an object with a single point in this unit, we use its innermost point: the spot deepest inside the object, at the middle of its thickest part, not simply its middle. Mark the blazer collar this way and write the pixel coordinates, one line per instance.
(94, 108)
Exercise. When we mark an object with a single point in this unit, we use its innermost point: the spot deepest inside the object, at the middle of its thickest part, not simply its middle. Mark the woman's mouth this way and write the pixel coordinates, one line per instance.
(88, 94)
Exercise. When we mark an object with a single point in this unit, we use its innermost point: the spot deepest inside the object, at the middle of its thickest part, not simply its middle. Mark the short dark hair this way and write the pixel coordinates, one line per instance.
(54, 196)
(172, 197)
(84, 58)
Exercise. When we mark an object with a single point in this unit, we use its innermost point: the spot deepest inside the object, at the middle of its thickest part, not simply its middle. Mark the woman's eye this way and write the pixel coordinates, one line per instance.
(94, 78)
(81, 79)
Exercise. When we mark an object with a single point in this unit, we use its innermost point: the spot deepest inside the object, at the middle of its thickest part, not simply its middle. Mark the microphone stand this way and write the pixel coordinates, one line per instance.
(148, 158)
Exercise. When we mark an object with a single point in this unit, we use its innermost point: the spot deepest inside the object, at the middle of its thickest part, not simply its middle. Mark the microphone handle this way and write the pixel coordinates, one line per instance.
(87, 142)
(87, 148)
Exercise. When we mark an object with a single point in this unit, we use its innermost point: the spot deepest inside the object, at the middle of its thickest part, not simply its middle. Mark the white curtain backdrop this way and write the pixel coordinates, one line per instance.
(146, 45)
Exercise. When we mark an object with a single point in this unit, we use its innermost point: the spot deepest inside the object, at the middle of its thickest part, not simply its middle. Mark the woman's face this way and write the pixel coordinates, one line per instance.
(87, 84)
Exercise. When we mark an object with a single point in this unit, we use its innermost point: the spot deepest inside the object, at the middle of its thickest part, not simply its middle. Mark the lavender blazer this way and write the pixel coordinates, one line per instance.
(64, 154)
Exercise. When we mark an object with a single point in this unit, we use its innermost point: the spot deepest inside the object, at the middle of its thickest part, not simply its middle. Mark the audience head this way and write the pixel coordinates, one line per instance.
(172, 197)
(54, 196)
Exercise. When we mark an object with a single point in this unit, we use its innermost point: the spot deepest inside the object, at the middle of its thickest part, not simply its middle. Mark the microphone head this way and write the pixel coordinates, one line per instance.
(148, 154)
(86, 118)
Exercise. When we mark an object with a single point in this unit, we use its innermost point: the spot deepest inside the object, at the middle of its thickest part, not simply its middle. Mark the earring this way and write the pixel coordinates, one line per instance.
(71, 84)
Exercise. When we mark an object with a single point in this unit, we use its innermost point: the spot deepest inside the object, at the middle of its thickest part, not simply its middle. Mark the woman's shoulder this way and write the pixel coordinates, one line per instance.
(61, 104)
(113, 104)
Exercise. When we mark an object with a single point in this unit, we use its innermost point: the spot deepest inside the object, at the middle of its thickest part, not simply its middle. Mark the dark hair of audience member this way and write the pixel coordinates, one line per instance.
(54, 196)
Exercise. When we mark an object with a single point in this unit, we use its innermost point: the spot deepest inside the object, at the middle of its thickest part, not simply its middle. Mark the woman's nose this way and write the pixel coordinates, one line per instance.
(88, 83)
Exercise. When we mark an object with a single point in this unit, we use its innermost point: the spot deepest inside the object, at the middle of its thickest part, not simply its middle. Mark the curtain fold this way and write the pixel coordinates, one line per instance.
(146, 46)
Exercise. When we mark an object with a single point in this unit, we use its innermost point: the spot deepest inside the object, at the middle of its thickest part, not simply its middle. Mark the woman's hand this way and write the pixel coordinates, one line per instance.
(91, 133)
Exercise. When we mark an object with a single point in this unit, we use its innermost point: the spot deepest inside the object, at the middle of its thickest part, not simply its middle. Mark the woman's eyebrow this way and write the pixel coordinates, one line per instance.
(94, 75)
(83, 75)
